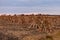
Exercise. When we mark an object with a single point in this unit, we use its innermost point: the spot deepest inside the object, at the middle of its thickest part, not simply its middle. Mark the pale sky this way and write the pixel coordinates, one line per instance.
(26, 6)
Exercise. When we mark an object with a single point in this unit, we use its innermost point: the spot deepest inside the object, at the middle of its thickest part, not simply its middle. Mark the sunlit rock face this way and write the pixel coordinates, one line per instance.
(29, 27)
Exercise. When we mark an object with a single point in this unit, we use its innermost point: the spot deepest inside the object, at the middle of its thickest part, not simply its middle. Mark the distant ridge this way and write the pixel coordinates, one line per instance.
(12, 14)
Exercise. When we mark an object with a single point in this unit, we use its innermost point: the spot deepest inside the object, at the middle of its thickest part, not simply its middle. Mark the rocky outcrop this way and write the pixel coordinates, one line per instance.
(29, 27)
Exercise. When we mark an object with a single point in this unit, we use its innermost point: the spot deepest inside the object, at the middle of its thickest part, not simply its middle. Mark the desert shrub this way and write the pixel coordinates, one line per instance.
(46, 38)
(2, 36)
(49, 38)
(12, 38)
(41, 39)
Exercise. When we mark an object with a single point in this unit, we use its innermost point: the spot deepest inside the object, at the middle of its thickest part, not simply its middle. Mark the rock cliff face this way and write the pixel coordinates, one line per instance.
(29, 27)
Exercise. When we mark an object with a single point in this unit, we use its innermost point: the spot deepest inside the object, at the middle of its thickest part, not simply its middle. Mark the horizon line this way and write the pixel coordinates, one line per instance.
(34, 13)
